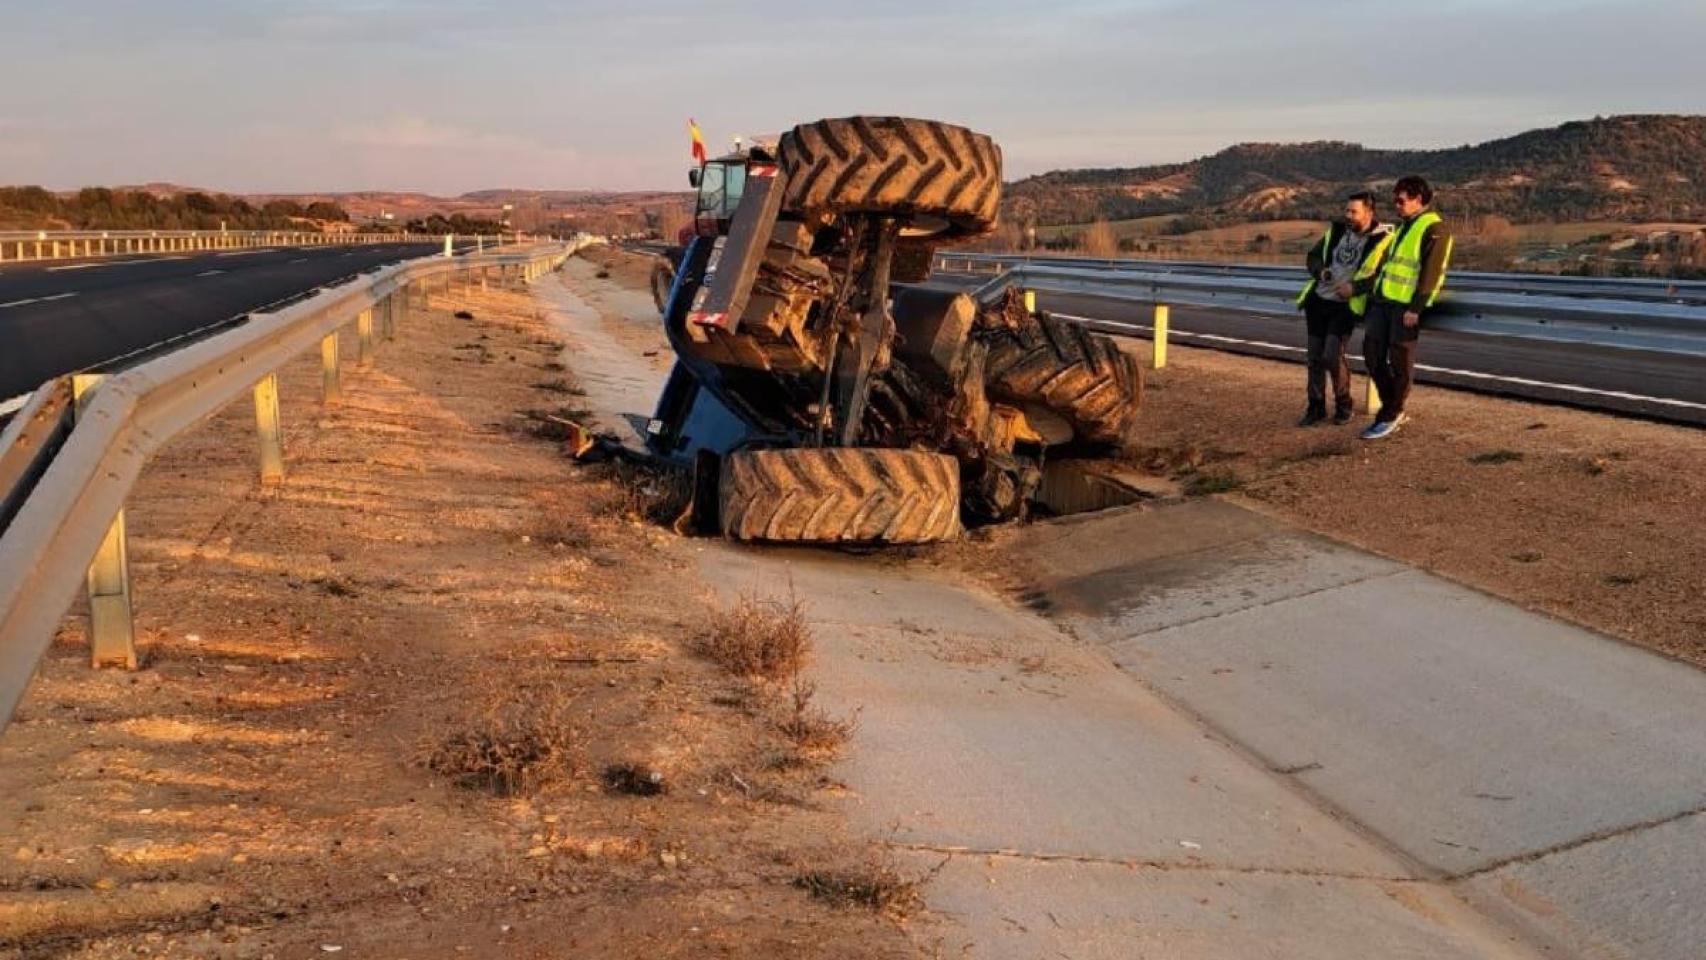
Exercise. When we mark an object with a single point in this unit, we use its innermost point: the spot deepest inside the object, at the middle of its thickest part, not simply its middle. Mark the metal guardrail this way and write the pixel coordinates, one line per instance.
(1527, 284)
(1603, 321)
(21, 245)
(70, 456)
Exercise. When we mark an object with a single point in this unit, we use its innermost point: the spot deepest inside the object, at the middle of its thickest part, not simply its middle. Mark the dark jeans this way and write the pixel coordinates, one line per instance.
(1329, 324)
(1389, 349)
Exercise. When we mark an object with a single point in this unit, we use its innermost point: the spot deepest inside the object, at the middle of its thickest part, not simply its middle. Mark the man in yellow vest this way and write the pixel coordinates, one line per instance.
(1406, 285)
(1341, 275)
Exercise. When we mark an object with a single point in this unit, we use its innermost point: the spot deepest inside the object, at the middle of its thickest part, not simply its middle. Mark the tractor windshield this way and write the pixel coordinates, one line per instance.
(720, 186)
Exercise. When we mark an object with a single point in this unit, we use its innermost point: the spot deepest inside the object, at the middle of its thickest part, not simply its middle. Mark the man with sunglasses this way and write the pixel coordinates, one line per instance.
(1406, 285)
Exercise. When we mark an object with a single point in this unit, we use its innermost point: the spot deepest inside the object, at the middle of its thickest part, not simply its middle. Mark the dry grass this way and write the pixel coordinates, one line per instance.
(810, 727)
(1202, 483)
(555, 527)
(1496, 456)
(560, 385)
(514, 747)
(876, 886)
(647, 493)
(757, 638)
(1098, 240)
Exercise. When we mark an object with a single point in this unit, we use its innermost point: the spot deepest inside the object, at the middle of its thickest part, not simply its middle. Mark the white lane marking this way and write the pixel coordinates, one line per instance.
(29, 300)
(108, 263)
(299, 260)
(245, 253)
(210, 273)
(1471, 374)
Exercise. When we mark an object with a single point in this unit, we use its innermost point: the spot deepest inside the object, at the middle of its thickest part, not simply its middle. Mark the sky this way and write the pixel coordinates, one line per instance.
(446, 97)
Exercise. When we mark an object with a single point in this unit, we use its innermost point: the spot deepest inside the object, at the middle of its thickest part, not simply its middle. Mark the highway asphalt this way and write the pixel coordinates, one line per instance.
(61, 316)
(1657, 385)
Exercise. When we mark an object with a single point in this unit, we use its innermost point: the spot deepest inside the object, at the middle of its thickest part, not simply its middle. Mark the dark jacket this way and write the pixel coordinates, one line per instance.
(1317, 260)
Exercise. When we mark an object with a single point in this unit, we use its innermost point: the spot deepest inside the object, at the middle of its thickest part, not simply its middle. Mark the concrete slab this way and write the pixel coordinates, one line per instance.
(1462, 729)
(1137, 571)
(1640, 894)
(1028, 741)
(873, 590)
(1012, 909)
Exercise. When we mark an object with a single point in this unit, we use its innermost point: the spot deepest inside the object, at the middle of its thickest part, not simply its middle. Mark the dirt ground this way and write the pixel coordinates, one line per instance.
(627, 267)
(431, 696)
(1590, 517)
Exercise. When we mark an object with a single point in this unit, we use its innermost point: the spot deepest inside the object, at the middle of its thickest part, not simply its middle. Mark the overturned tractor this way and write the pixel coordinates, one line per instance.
(821, 392)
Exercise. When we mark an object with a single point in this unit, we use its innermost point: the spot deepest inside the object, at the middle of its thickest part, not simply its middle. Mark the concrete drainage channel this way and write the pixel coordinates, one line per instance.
(1203, 733)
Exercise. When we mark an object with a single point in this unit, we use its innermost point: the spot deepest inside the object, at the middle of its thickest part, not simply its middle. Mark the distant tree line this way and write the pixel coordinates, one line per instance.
(439, 224)
(100, 208)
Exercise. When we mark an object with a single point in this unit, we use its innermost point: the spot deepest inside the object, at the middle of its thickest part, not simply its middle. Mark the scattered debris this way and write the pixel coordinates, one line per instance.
(336, 586)
(1495, 456)
(635, 780)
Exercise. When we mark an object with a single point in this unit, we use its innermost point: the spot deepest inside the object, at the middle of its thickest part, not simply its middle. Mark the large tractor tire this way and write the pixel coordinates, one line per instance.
(840, 495)
(944, 179)
(1084, 377)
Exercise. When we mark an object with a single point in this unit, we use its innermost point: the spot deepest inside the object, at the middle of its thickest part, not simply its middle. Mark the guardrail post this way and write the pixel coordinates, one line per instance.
(364, 339)
(1158, 345)
(1030, 301)
(389, 323)
(112, 631)
(267, 428)
(331, 379)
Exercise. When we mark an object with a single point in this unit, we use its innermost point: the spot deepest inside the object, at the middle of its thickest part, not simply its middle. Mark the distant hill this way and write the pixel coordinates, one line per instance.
(1650, 167)
(173, 206)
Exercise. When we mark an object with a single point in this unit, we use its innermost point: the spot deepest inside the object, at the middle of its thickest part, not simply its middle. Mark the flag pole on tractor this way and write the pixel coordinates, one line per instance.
(698, 141)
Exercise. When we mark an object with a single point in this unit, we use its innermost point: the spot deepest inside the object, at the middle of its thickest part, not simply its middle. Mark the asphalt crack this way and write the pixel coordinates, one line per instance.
(1194, 866)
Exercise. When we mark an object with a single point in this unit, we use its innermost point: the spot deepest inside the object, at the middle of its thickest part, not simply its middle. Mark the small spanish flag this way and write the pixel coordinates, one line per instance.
(698, 141)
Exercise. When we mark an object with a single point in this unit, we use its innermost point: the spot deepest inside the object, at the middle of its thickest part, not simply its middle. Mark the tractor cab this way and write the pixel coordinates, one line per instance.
(721, 183)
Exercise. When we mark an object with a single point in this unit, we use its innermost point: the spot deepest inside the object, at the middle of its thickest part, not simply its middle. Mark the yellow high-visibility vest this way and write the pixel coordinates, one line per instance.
(1402, 270)
(1371, 256)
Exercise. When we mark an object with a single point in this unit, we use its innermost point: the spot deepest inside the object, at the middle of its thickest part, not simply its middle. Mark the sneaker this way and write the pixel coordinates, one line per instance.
(1380, 429)
(1342, 416)
(1311, 417)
